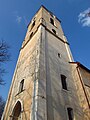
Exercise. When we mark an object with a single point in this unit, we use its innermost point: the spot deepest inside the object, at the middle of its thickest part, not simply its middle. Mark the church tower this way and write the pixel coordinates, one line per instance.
(44, 85)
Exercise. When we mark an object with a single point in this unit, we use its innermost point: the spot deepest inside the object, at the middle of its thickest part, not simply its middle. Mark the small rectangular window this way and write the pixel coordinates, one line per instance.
(51, 21)
(54, 31)
(31, 35)
(59, 55)
(21, 86)
(33, 24)
(70, 113)
(63, 81)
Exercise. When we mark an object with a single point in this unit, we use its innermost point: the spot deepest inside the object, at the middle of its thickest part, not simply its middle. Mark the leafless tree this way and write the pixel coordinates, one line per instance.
(4, 57)
(2, 104)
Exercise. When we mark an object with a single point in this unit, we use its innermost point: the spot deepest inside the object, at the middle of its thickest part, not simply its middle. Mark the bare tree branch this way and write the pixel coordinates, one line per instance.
(2, 104)
(4, 54)
(4, 57)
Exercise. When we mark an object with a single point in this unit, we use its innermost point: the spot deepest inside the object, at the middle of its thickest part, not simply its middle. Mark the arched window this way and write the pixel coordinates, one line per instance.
(16, 115)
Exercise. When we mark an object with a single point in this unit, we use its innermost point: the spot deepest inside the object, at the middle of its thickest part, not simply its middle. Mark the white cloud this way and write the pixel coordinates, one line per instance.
(25, 20)
(18, 19)
(84, 18)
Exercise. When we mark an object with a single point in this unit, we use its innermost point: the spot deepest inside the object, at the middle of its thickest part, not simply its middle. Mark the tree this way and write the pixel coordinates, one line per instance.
(2, 104)
(4, 57)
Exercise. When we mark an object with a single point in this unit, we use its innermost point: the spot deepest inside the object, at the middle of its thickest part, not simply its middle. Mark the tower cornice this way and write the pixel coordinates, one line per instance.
(49, 32)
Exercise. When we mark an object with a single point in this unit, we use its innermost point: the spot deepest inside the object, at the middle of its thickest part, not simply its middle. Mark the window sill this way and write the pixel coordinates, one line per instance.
(65, 90)
(53, 25)
(19, 92)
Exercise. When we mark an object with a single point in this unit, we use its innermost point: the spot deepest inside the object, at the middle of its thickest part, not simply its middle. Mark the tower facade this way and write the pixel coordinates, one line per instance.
(46, 84)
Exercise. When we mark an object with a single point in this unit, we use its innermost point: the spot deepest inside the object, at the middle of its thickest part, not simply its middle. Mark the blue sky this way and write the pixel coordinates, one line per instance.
(16, 14)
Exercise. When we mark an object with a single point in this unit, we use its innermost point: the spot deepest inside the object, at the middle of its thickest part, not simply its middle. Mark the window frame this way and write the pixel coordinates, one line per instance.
(21, 85)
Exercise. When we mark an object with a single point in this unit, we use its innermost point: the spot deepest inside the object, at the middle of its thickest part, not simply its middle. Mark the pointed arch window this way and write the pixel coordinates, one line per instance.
(16, 115)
